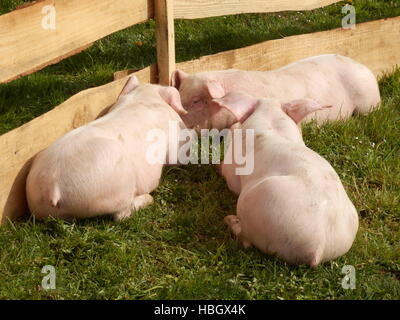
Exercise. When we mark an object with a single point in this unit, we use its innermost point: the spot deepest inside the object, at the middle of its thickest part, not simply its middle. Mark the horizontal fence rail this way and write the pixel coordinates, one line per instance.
(193, 9)
(28, 41)
(375, 44)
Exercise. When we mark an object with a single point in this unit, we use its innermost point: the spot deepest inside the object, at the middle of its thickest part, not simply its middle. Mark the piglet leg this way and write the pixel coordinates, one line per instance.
(142, 201)
(234, 226)
(139, 202)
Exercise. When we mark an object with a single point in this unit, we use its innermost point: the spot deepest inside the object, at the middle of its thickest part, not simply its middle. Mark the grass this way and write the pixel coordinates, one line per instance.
(179, 248)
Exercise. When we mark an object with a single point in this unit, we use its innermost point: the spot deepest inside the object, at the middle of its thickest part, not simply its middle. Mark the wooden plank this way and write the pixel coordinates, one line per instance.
(375, 44)
(20, 145)
(165, 33)
(194, 9)
(25, 46)
(123, 73)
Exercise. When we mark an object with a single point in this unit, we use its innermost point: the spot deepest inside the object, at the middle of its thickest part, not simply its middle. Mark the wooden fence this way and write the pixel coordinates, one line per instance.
(26, 47)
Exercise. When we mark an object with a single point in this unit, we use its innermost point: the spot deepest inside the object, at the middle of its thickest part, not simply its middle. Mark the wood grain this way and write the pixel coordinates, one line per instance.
(375, 44)
(193, 9)
(26, 47)
(165, 40)
(19, 146)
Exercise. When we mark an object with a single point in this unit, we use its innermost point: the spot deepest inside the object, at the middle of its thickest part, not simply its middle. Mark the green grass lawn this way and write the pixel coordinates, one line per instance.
(179, 248)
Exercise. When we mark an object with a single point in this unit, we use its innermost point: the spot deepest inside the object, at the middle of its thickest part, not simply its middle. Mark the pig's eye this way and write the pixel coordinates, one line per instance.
(195, 102)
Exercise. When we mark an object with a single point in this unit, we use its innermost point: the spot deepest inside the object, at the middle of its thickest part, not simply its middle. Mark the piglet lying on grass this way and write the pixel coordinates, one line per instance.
(293, 204)
(101, 168)
(331, 79)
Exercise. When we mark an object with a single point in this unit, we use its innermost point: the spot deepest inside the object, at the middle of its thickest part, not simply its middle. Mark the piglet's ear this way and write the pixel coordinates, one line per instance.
(215, 89)
(240, 104)
(299, 109)
(130, 85)
(171, 96)
(177, 77)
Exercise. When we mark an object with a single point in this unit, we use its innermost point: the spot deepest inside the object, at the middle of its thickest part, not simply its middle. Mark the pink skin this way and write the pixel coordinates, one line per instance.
(331, 79)
(101, 168)
(293, 204)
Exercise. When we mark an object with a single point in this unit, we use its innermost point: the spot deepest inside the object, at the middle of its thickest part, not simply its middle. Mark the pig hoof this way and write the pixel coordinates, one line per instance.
(138, 203)
(231, 220)
(246, 244)
(233, 223)
(142, 201)
(122, 215)
(316, 258)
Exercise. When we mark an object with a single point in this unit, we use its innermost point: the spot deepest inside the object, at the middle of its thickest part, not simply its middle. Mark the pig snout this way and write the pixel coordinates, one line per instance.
(214, 117)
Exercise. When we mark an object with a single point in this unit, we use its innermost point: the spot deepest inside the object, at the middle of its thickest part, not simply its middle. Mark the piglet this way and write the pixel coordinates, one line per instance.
(102, 168)
(293, 203)
(330, 79)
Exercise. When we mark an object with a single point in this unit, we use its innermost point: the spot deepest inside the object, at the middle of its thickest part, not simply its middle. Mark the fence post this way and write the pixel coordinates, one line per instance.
(164, 14)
